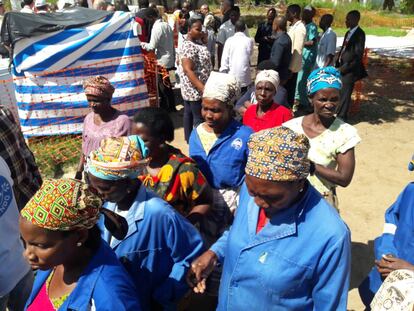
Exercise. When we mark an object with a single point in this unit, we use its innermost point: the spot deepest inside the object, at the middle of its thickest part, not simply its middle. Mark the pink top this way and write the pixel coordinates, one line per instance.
(41, 302)
(93, 134)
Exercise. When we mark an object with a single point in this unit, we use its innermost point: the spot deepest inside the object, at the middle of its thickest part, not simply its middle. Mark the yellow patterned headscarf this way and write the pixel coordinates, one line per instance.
(118, 158)
(63, 205)
(278, 154)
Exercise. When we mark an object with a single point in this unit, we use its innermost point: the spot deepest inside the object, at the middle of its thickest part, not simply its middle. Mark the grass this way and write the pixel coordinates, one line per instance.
(56, 153)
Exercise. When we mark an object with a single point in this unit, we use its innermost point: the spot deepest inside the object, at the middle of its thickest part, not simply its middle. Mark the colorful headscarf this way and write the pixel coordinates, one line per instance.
(323, 78)
(99, 86)
(278, 154)
(223, 87)
(118, 158)
(63, 205)
(268, 75)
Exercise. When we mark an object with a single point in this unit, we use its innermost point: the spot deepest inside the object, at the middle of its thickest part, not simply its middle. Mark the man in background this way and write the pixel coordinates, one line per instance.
(327, 42)
(27, 7)
(349, 61)
(281, 52)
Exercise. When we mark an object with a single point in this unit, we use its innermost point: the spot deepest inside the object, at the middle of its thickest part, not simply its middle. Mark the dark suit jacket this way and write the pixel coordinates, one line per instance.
(349, 61)
(281, 54)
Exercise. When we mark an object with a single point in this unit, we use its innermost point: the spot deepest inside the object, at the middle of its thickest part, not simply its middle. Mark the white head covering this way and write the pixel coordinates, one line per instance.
(222, 86)
(209, 20)
(268, 75)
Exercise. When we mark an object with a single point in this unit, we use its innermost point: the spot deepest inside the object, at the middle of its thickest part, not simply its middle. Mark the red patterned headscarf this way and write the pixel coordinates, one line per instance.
(99, 86)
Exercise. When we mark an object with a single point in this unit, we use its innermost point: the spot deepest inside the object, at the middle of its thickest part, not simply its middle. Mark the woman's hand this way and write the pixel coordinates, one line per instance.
(200, 269)
(388, 263)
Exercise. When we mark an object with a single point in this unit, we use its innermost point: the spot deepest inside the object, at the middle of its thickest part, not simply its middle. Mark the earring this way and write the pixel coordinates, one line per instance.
(300, 190)
(79, 244)
(128, 190)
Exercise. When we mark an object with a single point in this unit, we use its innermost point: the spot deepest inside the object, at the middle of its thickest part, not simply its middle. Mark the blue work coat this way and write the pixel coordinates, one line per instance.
(224, 165)
(104, 284)
(397, 239)
(157, 250)
(300, 260)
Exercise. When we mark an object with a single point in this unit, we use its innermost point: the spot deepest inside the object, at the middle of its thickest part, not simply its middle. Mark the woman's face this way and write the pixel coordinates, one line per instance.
(97, 104)
(265, 91)
(325, 102)
(46, 249)
(110, 190)
(152, 143)
(196, 31)
(215, 113)
(273, 196)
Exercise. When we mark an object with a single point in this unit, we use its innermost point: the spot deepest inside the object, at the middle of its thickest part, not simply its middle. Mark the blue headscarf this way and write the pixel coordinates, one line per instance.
(118, 158)
(411, 164)
(323, 78)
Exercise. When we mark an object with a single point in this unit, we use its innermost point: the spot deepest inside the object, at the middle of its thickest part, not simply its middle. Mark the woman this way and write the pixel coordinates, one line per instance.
(160, 243)
(170, 174)
(76, 269)
(287, 248)
(332, 140)
(196, 66)
(266, 113)
(309, 53)
(264, 36)
(394, 249)
(103, 121)
(219, 145)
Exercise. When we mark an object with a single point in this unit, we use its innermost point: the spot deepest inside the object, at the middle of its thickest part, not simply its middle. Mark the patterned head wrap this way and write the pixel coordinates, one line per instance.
(278, 154)
(63, 205)
(99, 86)
(323, 78)
(411, 164)
(223, 87)
(118, 158)
(268, 75)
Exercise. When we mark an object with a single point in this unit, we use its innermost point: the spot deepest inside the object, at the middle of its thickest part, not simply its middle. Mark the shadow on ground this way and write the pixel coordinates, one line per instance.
(362, 262)
(388, 92)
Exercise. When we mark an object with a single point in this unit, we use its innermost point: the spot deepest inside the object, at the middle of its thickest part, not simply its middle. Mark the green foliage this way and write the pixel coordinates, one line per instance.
(407, 6)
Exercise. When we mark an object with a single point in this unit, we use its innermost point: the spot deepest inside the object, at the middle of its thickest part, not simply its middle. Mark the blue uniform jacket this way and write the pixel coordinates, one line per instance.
(224, 165)
(300, 260)
(397, 239)
(157, 250)
(104, 284)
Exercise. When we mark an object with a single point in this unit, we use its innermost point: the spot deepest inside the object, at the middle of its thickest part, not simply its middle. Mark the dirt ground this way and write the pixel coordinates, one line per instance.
(385, 124)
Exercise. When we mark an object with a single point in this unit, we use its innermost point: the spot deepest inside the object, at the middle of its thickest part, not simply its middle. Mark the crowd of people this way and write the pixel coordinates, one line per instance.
(249, 220)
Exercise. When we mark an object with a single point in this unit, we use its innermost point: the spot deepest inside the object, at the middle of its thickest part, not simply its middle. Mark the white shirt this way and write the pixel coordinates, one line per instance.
(326, 46)
(236, 57)
(226, 31)
(162, 41)
(26, 9)
(13, 266)
(351, 32)
(297, 34)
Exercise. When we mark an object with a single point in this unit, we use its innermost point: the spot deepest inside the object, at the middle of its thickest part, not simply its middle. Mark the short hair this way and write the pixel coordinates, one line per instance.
(240, 26)
(28, 2)
(158, 122)
(281, 22)
(328, 18)
(235, 9)
(266, 65)
(152, 13)
(355, 13)
(193, 20)
(294, 9)
(143, 4)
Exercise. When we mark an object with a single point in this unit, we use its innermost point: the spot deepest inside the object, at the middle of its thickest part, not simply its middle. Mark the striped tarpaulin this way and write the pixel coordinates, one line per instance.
(49, 70)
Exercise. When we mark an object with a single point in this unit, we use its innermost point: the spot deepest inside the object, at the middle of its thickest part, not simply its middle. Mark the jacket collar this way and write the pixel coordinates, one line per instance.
(135, 214)
(282, 224)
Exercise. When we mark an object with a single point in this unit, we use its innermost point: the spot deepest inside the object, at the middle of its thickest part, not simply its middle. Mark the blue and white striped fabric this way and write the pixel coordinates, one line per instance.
(49, 71)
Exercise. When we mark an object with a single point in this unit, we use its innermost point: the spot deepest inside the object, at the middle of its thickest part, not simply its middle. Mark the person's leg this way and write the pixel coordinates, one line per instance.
(196, 112)
(19, 295)
(290, 87)
(167, 100)
(188, 120)
(346, 96)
